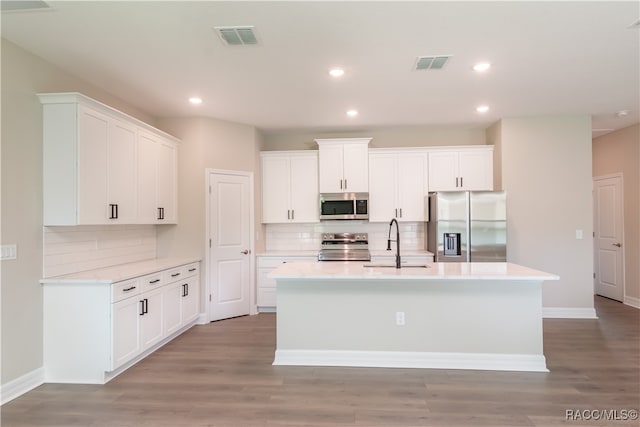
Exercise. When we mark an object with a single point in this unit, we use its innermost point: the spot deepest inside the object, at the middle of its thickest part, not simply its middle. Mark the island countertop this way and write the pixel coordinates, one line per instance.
(434, 271)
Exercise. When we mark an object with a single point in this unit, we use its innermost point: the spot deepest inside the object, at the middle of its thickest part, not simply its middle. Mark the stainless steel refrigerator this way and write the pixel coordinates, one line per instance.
(467, 226)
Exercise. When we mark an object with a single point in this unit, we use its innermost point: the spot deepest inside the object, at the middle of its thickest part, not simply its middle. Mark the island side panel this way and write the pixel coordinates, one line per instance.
(441, 316)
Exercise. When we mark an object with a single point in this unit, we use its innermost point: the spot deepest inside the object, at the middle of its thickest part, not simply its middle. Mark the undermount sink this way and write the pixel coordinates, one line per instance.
(377, 265)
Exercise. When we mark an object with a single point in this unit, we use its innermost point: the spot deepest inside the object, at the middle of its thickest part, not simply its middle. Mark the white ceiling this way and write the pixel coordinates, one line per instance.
(548, 58)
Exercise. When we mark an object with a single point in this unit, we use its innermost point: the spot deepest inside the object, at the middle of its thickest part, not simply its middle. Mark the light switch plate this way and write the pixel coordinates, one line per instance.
(579, 234)
(9, 252)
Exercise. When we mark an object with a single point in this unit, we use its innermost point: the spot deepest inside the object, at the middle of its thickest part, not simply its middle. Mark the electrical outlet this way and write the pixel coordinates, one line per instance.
(400, 318)
(9, 252)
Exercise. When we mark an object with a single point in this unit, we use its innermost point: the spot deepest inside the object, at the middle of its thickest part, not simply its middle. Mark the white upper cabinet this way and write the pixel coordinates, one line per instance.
(289, 186)
(157, 179)
(343, 165)
(397, 185)
(92, 157)
(461, 169)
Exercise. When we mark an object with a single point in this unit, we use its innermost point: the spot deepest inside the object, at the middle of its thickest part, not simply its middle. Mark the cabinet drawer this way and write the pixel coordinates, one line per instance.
(192, 269)
(152, 281)
(271, 262)
(174, 274)
(124, 290)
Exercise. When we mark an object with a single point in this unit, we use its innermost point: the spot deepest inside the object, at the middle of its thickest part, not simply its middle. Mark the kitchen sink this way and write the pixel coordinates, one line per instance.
(385, 265)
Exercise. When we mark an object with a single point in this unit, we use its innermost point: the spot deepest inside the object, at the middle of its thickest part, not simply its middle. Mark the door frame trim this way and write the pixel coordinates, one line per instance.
(623, 252)
(207, 250)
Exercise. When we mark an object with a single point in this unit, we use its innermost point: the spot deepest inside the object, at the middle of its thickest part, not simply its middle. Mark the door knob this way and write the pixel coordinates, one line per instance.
(617, 244)
(245, 252)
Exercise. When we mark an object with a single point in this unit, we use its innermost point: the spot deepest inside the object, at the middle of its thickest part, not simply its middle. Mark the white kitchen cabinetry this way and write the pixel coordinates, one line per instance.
(267, 295)
(397, 185)
(91, 162)
(157, 179)
(289, 186)
(343, 165)
(94, 329)
(461, 169)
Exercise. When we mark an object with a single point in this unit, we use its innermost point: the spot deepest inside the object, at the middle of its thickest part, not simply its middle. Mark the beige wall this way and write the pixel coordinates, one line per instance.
(546, 171)
(23, 76)
(206, 144)
(382, 138)
(619, 152)
(494, 137)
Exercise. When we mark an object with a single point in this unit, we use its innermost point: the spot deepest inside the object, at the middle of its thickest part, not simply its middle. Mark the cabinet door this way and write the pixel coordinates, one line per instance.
(190, 300)
(382, 187)
(275, 189)
(411, 187)
(125, 335)
(330, 161)
(147, 170)
(122, 165)
(167, 182)
(151, 320)
(93, 145)
(443, 171)
(172, 307)
(476, 170)
(304, 189)
(356, 168)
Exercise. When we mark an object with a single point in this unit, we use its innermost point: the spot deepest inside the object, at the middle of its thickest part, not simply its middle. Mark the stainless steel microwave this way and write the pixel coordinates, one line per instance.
(344, 206)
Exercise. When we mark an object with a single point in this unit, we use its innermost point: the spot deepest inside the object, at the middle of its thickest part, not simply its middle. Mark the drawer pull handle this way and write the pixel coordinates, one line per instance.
(192, 269)
(129, 289)
(154, 281)
(175, 274)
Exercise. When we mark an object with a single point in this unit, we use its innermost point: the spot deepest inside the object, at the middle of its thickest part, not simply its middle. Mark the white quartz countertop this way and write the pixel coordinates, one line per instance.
(121, 272)
(434, 271)
(374, 253)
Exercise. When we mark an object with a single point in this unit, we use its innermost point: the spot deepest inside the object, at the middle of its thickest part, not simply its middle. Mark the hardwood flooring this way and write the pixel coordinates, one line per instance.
(221, 375)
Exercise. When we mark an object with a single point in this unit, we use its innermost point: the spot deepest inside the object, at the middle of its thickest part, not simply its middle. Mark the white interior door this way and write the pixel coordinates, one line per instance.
(230, 245)
(608, 236)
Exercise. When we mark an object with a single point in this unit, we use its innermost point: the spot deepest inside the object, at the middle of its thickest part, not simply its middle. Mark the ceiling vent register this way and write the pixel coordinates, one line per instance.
(432, 62)
(237, 36)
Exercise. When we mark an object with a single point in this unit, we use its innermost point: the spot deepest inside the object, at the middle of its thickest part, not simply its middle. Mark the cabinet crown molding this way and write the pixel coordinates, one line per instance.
(79, 98)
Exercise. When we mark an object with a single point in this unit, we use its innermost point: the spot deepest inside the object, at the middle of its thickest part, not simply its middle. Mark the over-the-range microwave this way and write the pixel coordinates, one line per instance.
(344, 206)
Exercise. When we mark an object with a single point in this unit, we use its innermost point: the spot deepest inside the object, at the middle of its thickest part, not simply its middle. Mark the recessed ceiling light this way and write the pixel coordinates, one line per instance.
(195, 100)
(622, 113)
(481, 66)
(336, 72)
(352, 113)
(482, 108)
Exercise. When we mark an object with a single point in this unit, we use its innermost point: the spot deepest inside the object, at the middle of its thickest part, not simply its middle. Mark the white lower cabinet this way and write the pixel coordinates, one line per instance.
(93, 329)
(267, 295)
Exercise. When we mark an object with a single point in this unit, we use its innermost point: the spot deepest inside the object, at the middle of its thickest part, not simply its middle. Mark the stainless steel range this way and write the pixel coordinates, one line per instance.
(345, 247)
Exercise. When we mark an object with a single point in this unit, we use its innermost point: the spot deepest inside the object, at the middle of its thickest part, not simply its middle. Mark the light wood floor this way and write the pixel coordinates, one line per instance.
(221, 375)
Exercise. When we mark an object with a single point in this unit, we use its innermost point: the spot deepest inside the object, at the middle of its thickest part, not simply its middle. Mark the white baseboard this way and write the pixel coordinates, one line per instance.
(568, 313)
(202, 319)
(21, 385)
(401, 359)
(266, 309)
(632, 301)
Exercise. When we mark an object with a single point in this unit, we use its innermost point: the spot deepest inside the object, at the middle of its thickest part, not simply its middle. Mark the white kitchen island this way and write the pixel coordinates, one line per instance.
(448, 316)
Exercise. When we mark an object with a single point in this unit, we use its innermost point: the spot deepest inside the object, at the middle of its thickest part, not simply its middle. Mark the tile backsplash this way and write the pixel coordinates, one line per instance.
(280, 237)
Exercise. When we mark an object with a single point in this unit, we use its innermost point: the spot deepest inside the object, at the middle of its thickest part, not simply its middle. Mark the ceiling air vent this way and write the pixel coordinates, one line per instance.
(431, 62)
(237, 36)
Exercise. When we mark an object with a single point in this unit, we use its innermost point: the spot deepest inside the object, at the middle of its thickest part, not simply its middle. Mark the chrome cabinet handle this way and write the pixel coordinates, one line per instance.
(341, 184)
(345, 184)
(293, 214)
(400, 212)
(461, 184)
(619, 245)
